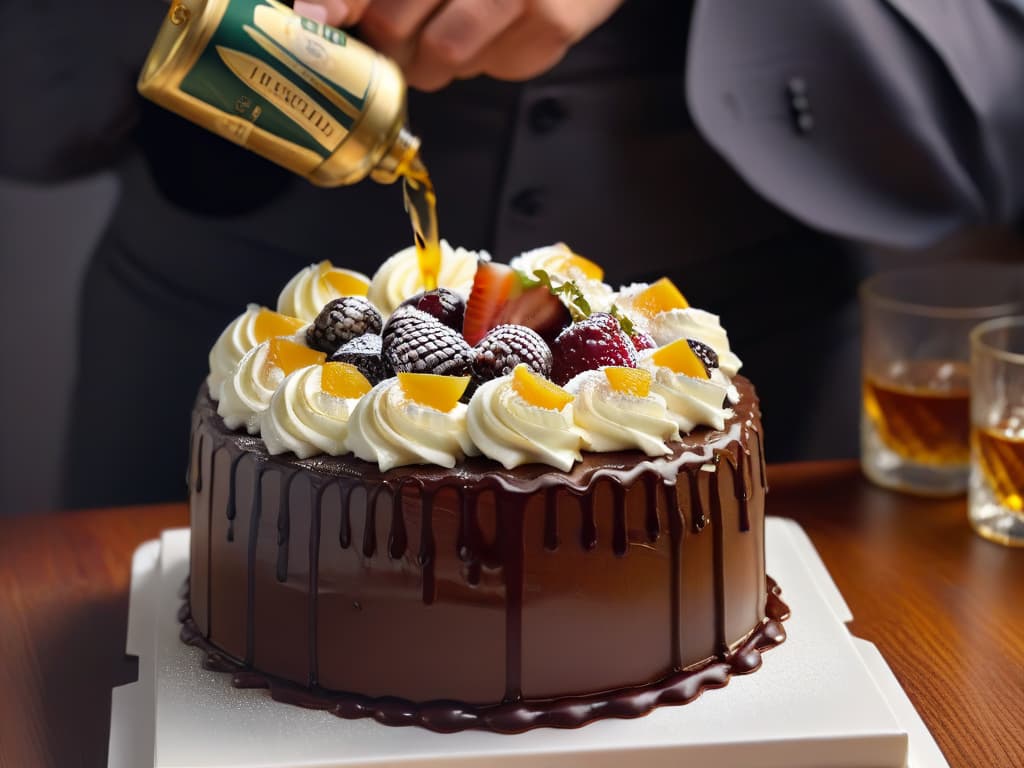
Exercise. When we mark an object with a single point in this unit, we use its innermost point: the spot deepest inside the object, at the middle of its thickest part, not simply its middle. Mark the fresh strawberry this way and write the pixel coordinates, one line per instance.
(605, 321)
(492, 285)
(538, 309)
(590, 344)
(642, 340)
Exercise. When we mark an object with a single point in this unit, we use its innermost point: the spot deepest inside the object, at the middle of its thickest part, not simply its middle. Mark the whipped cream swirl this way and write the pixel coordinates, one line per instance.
(234, 341)
(610, 420)
(388, 428)
(511, 431)
(399, 277)
(691, 402)
(307, 293)
(556, 260)
(248, 390)
(304, 419)
(698, 324)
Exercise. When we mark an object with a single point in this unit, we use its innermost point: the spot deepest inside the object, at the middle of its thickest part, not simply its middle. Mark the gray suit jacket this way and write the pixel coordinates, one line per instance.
(894, 122)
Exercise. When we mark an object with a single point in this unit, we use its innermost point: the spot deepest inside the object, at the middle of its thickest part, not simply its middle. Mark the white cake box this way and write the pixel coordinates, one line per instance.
(823, 698)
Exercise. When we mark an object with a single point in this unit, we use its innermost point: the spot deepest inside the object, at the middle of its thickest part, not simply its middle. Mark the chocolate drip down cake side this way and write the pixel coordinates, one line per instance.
(521, 499)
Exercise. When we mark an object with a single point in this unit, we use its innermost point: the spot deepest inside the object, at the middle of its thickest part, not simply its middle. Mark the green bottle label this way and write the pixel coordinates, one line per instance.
(299, 80)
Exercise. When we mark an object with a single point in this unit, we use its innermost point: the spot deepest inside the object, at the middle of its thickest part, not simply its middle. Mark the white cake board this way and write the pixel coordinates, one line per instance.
(823, 698)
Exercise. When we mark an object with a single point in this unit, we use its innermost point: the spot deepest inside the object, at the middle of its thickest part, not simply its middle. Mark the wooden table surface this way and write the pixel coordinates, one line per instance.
(945, 607)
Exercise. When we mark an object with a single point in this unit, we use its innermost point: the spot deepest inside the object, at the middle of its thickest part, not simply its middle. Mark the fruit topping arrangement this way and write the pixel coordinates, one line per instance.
(539, 391)
(629, 381)
(592, 343)
(431, 390)
(442, 304)
(288, 355)
(342, 320)
(366, 354)
(415, 342)
(538, 324)
(269, 324)
(506, 346)
(344, 381)
(681, 356)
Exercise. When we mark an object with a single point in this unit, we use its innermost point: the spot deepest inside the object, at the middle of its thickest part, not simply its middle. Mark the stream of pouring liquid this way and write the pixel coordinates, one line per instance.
(421, 204)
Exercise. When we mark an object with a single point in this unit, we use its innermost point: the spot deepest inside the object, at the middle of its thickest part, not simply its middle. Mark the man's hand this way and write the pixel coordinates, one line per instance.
(437, 41)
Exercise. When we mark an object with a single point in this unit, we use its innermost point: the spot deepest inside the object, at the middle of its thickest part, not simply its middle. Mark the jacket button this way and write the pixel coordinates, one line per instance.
(527, 202)
(545, 115)
(799, 105)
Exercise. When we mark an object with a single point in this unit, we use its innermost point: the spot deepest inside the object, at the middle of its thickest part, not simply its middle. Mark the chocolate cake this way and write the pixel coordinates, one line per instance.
(482, 597)
(543, 556)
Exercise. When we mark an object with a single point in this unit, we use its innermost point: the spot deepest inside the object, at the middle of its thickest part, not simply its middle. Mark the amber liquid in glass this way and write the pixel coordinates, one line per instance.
(1000, 455)
(922, 412)
(421, 204)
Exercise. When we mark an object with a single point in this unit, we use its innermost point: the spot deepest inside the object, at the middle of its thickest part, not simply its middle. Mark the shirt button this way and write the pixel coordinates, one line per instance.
(545, 115)
(796, 86)
(799, 105)
(526, 201)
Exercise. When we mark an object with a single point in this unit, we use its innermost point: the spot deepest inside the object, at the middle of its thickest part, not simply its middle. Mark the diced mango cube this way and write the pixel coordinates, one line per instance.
(660, 296)
(629, 381)
(573, 261)
(438, 392)
(344, 380)
(290, 356)
(346, 282)
(538, 391)
(681, 358)
(269, 324)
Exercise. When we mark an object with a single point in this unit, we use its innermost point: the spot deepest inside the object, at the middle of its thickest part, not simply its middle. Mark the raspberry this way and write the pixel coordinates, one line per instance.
(704, 353)
(342, 320)
(642, 340)
(504, 347)
(442, 304)
(605, 321)
(415, 342)
(364, 352)
(588, 345)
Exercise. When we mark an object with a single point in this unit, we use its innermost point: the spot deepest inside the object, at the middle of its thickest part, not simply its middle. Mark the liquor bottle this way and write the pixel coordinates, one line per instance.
(302, 94)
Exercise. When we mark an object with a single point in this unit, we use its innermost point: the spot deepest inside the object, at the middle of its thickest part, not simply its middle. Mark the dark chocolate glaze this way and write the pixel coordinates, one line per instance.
(480, 597)
(517, 715)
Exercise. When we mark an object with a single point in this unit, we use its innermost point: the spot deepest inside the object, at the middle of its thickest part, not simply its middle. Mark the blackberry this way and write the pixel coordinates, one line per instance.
(342, 320)
(415, 342)
(441, 304)
(504, 347)
(705, 354)
(364, 352)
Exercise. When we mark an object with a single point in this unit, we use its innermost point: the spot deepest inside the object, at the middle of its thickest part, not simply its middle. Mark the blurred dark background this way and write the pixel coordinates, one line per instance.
(915, 140)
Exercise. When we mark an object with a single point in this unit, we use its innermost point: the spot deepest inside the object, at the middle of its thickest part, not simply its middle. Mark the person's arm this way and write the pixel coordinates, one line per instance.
(888, 121)
(437, 41)
(70, 70)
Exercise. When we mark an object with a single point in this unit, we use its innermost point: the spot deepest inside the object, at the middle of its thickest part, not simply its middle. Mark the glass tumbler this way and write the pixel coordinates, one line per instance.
(995, 500)
(915, 417)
